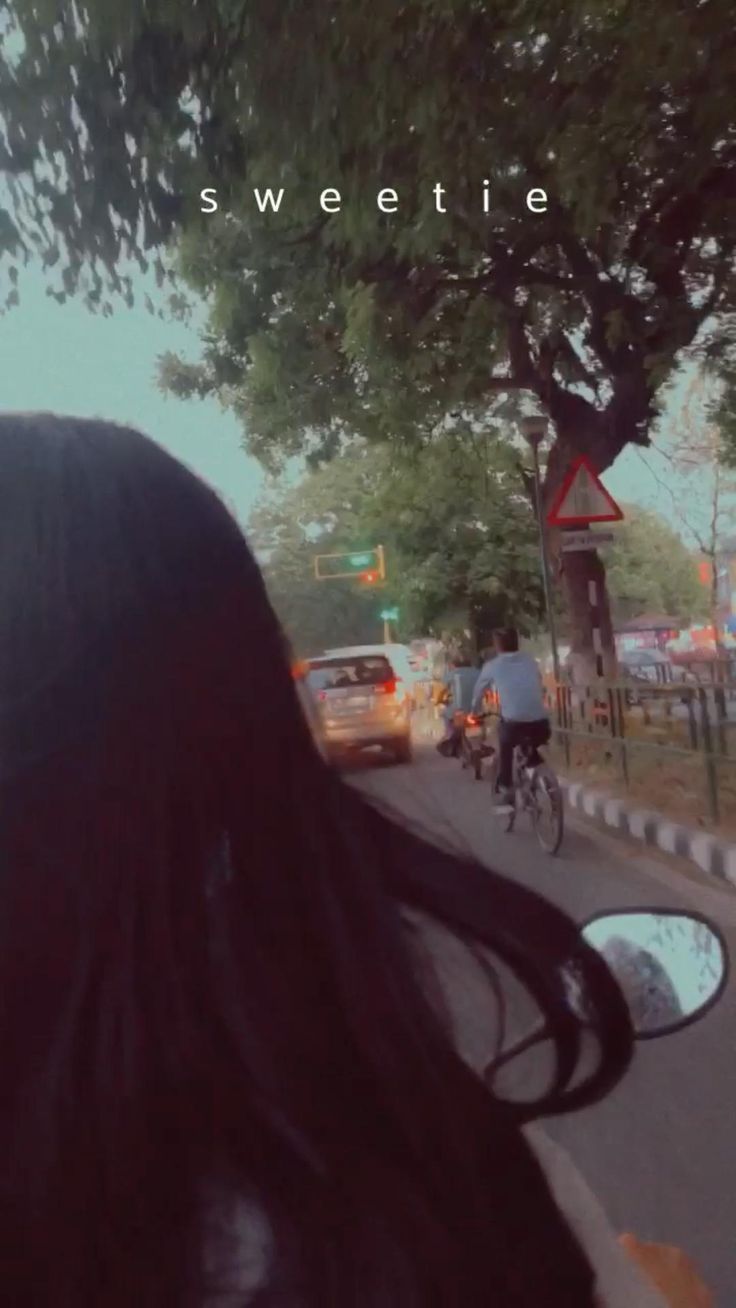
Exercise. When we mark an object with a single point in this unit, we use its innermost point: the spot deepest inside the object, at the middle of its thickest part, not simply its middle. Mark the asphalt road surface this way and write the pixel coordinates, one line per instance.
(660, 1152)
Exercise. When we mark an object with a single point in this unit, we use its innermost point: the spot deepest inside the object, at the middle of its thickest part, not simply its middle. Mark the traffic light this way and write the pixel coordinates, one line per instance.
(366, 566)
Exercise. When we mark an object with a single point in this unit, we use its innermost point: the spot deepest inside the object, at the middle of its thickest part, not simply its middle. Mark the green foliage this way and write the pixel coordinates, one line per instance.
(650, 570)
(460, 542)
(723, 410)
(372, 323)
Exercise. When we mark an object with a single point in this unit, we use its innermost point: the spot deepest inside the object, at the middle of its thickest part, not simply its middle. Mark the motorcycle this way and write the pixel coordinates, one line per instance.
(672, 968)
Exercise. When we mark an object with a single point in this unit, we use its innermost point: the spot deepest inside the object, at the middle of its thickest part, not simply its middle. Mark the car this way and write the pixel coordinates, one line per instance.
(400, 658)
(308, 702)
(651, 667)
(647, 665)
(365, 700)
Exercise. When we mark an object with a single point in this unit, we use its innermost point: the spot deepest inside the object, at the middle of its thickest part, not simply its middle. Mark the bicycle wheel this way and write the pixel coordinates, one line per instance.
(492, 774)
(547, 809)
(466, 753)
(508, 818)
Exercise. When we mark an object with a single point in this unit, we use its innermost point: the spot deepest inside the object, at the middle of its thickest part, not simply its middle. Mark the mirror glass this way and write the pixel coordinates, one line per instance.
(670, 966)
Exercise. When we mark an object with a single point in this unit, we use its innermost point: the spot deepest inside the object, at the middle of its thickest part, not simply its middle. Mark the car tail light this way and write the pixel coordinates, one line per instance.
(387, 687)
(322, 696)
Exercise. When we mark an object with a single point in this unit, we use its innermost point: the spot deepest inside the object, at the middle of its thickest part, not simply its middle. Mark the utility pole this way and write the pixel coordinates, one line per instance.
(388, 616)
(534, 429)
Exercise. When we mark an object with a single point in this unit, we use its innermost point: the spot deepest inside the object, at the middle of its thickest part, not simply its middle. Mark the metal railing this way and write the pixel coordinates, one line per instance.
(692, 723)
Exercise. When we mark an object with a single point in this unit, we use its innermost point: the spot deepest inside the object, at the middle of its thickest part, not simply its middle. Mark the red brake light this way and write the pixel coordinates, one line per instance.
(387, 687)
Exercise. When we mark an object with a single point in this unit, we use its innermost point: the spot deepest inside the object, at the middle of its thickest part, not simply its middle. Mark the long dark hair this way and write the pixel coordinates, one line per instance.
(205, 984)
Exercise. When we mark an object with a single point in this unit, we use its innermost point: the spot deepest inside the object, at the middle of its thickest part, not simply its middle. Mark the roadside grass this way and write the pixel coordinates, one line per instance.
(675, 784)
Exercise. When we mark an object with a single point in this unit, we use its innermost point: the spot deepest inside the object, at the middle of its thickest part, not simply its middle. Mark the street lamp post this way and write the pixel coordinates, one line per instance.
(534, 429)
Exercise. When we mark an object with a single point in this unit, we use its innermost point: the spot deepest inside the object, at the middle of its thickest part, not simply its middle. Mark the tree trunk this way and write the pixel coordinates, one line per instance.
(715, 614)
(593, 650)
(588, 613)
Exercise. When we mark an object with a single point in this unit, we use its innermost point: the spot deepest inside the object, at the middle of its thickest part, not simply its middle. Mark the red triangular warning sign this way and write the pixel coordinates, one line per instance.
(582, 498)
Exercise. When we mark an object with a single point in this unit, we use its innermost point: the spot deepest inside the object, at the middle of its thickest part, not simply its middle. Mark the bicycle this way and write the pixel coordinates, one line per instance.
(537, 792)
(472, 750)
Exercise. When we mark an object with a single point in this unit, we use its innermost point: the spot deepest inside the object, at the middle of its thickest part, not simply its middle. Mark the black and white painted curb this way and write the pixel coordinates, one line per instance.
(716, 857)
(712, 855)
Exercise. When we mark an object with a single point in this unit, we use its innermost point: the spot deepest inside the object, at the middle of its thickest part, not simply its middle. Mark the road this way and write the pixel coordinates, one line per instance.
(660, 1152)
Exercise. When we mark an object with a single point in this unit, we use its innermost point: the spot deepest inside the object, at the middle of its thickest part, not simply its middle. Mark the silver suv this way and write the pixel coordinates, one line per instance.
(363, 701)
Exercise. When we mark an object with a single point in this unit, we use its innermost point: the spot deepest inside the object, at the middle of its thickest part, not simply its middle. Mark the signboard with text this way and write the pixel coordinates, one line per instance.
(584, 540)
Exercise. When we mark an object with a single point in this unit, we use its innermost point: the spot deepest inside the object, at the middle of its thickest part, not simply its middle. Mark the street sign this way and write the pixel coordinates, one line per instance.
(389, 615)
(582, 498)
(584, 540)
(367, 566)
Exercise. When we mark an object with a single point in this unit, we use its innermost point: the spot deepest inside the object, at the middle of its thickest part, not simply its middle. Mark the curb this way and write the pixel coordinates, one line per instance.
(712, 855)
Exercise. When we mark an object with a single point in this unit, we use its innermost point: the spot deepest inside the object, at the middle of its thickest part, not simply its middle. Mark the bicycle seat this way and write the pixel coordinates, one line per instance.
(529, 751)
(526, 744)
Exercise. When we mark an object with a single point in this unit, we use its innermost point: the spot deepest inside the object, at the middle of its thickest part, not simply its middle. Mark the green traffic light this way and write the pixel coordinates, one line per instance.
(360, 560)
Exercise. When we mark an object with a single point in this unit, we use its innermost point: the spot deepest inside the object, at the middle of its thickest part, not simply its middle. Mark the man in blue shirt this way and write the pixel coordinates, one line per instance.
(517, 680)
(459, 685)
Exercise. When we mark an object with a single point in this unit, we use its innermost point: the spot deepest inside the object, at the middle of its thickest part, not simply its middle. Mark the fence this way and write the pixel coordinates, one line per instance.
(692, 726)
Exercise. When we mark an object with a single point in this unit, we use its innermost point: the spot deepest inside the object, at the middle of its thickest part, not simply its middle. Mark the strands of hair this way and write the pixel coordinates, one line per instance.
(205, 981)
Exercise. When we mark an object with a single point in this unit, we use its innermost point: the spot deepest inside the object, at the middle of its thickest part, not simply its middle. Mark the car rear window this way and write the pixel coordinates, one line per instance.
(342, 674)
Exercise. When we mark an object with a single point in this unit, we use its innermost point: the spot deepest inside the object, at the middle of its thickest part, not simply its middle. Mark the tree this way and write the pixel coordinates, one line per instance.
(700, 484)
(651, 570)
(722, 409)
(336, 319)
(288, 529)
(459, 536)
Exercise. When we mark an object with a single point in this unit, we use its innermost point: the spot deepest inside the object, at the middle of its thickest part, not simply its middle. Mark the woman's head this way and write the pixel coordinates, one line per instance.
(647, 986)
(124, 573)
(150, 736)
(202, 972)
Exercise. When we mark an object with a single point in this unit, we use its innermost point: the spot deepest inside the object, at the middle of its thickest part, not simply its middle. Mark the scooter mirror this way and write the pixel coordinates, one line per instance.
(671, 966)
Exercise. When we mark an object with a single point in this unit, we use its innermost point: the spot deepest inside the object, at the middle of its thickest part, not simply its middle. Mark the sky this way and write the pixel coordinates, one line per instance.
(65, 359)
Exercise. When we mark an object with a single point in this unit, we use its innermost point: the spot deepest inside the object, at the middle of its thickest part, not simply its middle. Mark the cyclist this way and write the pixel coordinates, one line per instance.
(459, 687)
(516, 677)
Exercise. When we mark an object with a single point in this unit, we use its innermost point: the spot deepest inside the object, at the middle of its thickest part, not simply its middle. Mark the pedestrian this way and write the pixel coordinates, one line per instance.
(236, 1069)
